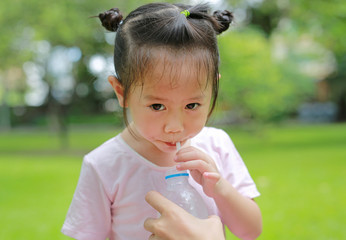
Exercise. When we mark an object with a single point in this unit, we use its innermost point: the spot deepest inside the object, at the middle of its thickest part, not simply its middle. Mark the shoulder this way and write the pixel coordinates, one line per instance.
(109, 164)
(107, 154)
(213, 141)
(106, 148)
(212, 135)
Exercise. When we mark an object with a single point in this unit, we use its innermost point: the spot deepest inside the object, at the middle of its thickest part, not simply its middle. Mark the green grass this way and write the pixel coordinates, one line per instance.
(299, 169)
(35, 194)
(300, 172)
(37, 180)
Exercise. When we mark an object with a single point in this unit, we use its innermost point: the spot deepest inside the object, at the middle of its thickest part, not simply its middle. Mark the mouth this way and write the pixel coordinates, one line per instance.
(170, 144)
(173, 144)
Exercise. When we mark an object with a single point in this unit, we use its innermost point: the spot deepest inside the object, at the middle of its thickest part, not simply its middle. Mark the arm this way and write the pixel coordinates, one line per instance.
(89, 215)
(177, 224)
(241, 215)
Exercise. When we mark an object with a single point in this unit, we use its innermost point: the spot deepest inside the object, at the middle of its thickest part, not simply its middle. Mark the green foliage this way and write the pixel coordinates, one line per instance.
(253, 81)
(325, 20)
(63, 22)
(322, 21)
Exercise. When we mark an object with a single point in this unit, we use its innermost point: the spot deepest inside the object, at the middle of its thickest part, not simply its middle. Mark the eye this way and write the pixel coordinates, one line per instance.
(192, 106)
(157, 107)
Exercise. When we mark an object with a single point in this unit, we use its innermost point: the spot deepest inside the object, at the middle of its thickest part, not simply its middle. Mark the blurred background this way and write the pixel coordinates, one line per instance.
(282, 100)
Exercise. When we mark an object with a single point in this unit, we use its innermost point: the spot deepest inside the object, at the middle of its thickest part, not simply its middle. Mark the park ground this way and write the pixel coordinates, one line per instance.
(299, 169)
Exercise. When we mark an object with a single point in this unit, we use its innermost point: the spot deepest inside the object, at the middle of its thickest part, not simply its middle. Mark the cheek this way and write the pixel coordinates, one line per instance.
(146, 126)
(197, 122)
(148, 130)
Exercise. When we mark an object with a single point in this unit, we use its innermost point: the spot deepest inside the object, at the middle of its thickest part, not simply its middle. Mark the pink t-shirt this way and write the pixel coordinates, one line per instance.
(109, 198)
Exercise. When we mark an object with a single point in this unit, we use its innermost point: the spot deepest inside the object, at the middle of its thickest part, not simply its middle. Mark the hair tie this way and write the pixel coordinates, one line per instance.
(186, 13)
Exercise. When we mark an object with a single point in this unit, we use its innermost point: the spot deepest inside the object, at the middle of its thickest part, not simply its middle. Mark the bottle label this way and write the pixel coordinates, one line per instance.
(176, 175)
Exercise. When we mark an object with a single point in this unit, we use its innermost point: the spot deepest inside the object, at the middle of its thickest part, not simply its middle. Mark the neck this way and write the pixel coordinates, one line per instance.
(148, 150)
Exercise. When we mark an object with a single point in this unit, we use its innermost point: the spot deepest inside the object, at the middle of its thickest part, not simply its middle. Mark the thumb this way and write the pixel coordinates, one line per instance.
(214, 218)
(211, 177)
(210, 180)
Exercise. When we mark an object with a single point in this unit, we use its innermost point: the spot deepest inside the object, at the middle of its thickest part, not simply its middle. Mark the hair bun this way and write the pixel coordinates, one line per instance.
(111, 19)
(224, 18)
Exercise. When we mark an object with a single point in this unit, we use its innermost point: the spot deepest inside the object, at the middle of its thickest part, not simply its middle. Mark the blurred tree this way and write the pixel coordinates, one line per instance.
(65, 24)
(31, 33)
(323, 21)
(253, 83)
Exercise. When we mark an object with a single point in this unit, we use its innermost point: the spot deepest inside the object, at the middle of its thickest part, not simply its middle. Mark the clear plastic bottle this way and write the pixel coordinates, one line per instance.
(179, 191)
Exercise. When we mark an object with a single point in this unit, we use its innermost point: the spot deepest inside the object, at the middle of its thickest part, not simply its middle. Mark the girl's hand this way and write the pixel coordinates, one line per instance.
(202, 168)
(177, 224)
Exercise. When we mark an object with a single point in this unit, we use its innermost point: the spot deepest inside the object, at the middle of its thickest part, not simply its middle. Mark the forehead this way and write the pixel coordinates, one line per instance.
(175, 68)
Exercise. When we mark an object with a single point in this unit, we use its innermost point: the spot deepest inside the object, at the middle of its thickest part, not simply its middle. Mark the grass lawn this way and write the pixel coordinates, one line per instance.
(299, 169)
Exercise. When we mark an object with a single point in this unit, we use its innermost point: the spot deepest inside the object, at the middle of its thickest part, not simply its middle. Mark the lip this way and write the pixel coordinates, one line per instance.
(173, 144)
(170, 144)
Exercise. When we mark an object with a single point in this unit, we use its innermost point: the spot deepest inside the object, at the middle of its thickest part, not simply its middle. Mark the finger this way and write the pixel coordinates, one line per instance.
(151, 237)
(149, 224)
(198, 165)
(154, 237)
(214, 217)
(211, 176)
(190, 155)
(211, 179)
(189, 151)
(215, 220)
(158, 202)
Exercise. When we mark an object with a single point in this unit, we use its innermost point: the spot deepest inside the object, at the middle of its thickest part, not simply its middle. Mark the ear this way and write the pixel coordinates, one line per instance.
(219, 76)
(118, 89)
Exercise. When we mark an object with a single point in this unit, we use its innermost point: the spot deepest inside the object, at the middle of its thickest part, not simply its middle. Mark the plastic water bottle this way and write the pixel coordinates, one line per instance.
(179, 191)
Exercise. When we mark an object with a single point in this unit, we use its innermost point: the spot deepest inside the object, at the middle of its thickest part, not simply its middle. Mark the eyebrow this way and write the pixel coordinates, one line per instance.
(155, 98)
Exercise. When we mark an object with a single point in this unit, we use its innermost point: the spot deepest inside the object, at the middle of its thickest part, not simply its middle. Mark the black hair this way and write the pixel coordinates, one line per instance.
(162, 25)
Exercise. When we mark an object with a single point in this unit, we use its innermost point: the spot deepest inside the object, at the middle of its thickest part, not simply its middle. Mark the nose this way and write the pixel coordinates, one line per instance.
(174, 123)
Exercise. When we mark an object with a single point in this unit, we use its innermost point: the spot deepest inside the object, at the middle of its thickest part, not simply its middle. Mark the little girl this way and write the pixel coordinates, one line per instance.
(166, 62)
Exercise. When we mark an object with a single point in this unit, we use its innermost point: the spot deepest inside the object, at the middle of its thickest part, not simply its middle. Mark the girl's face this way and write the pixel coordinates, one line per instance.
(172, 105)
